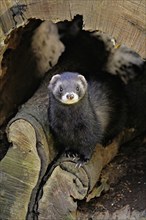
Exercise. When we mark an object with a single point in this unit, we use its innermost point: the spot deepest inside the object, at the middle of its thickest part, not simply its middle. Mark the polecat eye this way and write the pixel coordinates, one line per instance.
(77, 88)
(61, 89)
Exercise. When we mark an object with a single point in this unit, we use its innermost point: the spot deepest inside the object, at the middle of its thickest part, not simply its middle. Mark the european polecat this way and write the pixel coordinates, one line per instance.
(82, 114)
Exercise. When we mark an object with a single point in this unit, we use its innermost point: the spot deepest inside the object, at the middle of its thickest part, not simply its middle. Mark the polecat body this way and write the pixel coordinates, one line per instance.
(81, 113)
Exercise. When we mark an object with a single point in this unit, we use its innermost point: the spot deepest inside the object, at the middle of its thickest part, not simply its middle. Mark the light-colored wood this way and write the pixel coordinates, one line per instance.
(20, 168)
(125, 20)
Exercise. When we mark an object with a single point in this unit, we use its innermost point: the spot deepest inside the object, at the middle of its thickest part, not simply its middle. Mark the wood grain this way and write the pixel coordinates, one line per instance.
(125, 20)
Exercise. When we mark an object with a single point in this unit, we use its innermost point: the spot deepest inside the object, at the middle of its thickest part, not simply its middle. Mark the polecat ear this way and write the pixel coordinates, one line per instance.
(83, 80)
(53, 80)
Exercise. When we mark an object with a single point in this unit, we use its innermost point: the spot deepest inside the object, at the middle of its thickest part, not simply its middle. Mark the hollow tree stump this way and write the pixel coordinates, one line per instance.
(30, 180)
(40, 187)
(33, 186)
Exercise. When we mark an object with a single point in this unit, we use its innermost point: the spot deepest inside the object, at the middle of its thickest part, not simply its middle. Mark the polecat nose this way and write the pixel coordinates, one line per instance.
(70, 96)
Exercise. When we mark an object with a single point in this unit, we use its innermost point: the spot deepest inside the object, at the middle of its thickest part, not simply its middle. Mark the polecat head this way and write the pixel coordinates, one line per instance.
(68, 87)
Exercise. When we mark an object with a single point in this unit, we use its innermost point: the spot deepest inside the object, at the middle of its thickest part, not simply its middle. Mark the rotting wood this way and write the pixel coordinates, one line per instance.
(67, 184)
(25, 63)
(29, 113)
(19, 77)
(31, 154)
(30, 125)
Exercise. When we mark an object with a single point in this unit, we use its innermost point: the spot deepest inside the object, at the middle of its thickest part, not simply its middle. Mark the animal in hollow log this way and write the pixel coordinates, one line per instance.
(83, 113)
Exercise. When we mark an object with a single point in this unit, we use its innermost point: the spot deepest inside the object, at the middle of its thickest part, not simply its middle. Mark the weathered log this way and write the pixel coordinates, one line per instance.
(19, 170)
(67, 184)
(29, 131)
(124, 20)
(27, 119)
(29, 134)
(28, 163)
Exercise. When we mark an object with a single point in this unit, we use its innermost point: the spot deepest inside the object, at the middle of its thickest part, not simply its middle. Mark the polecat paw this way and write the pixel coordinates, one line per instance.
(80, 162)
(71, 154)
